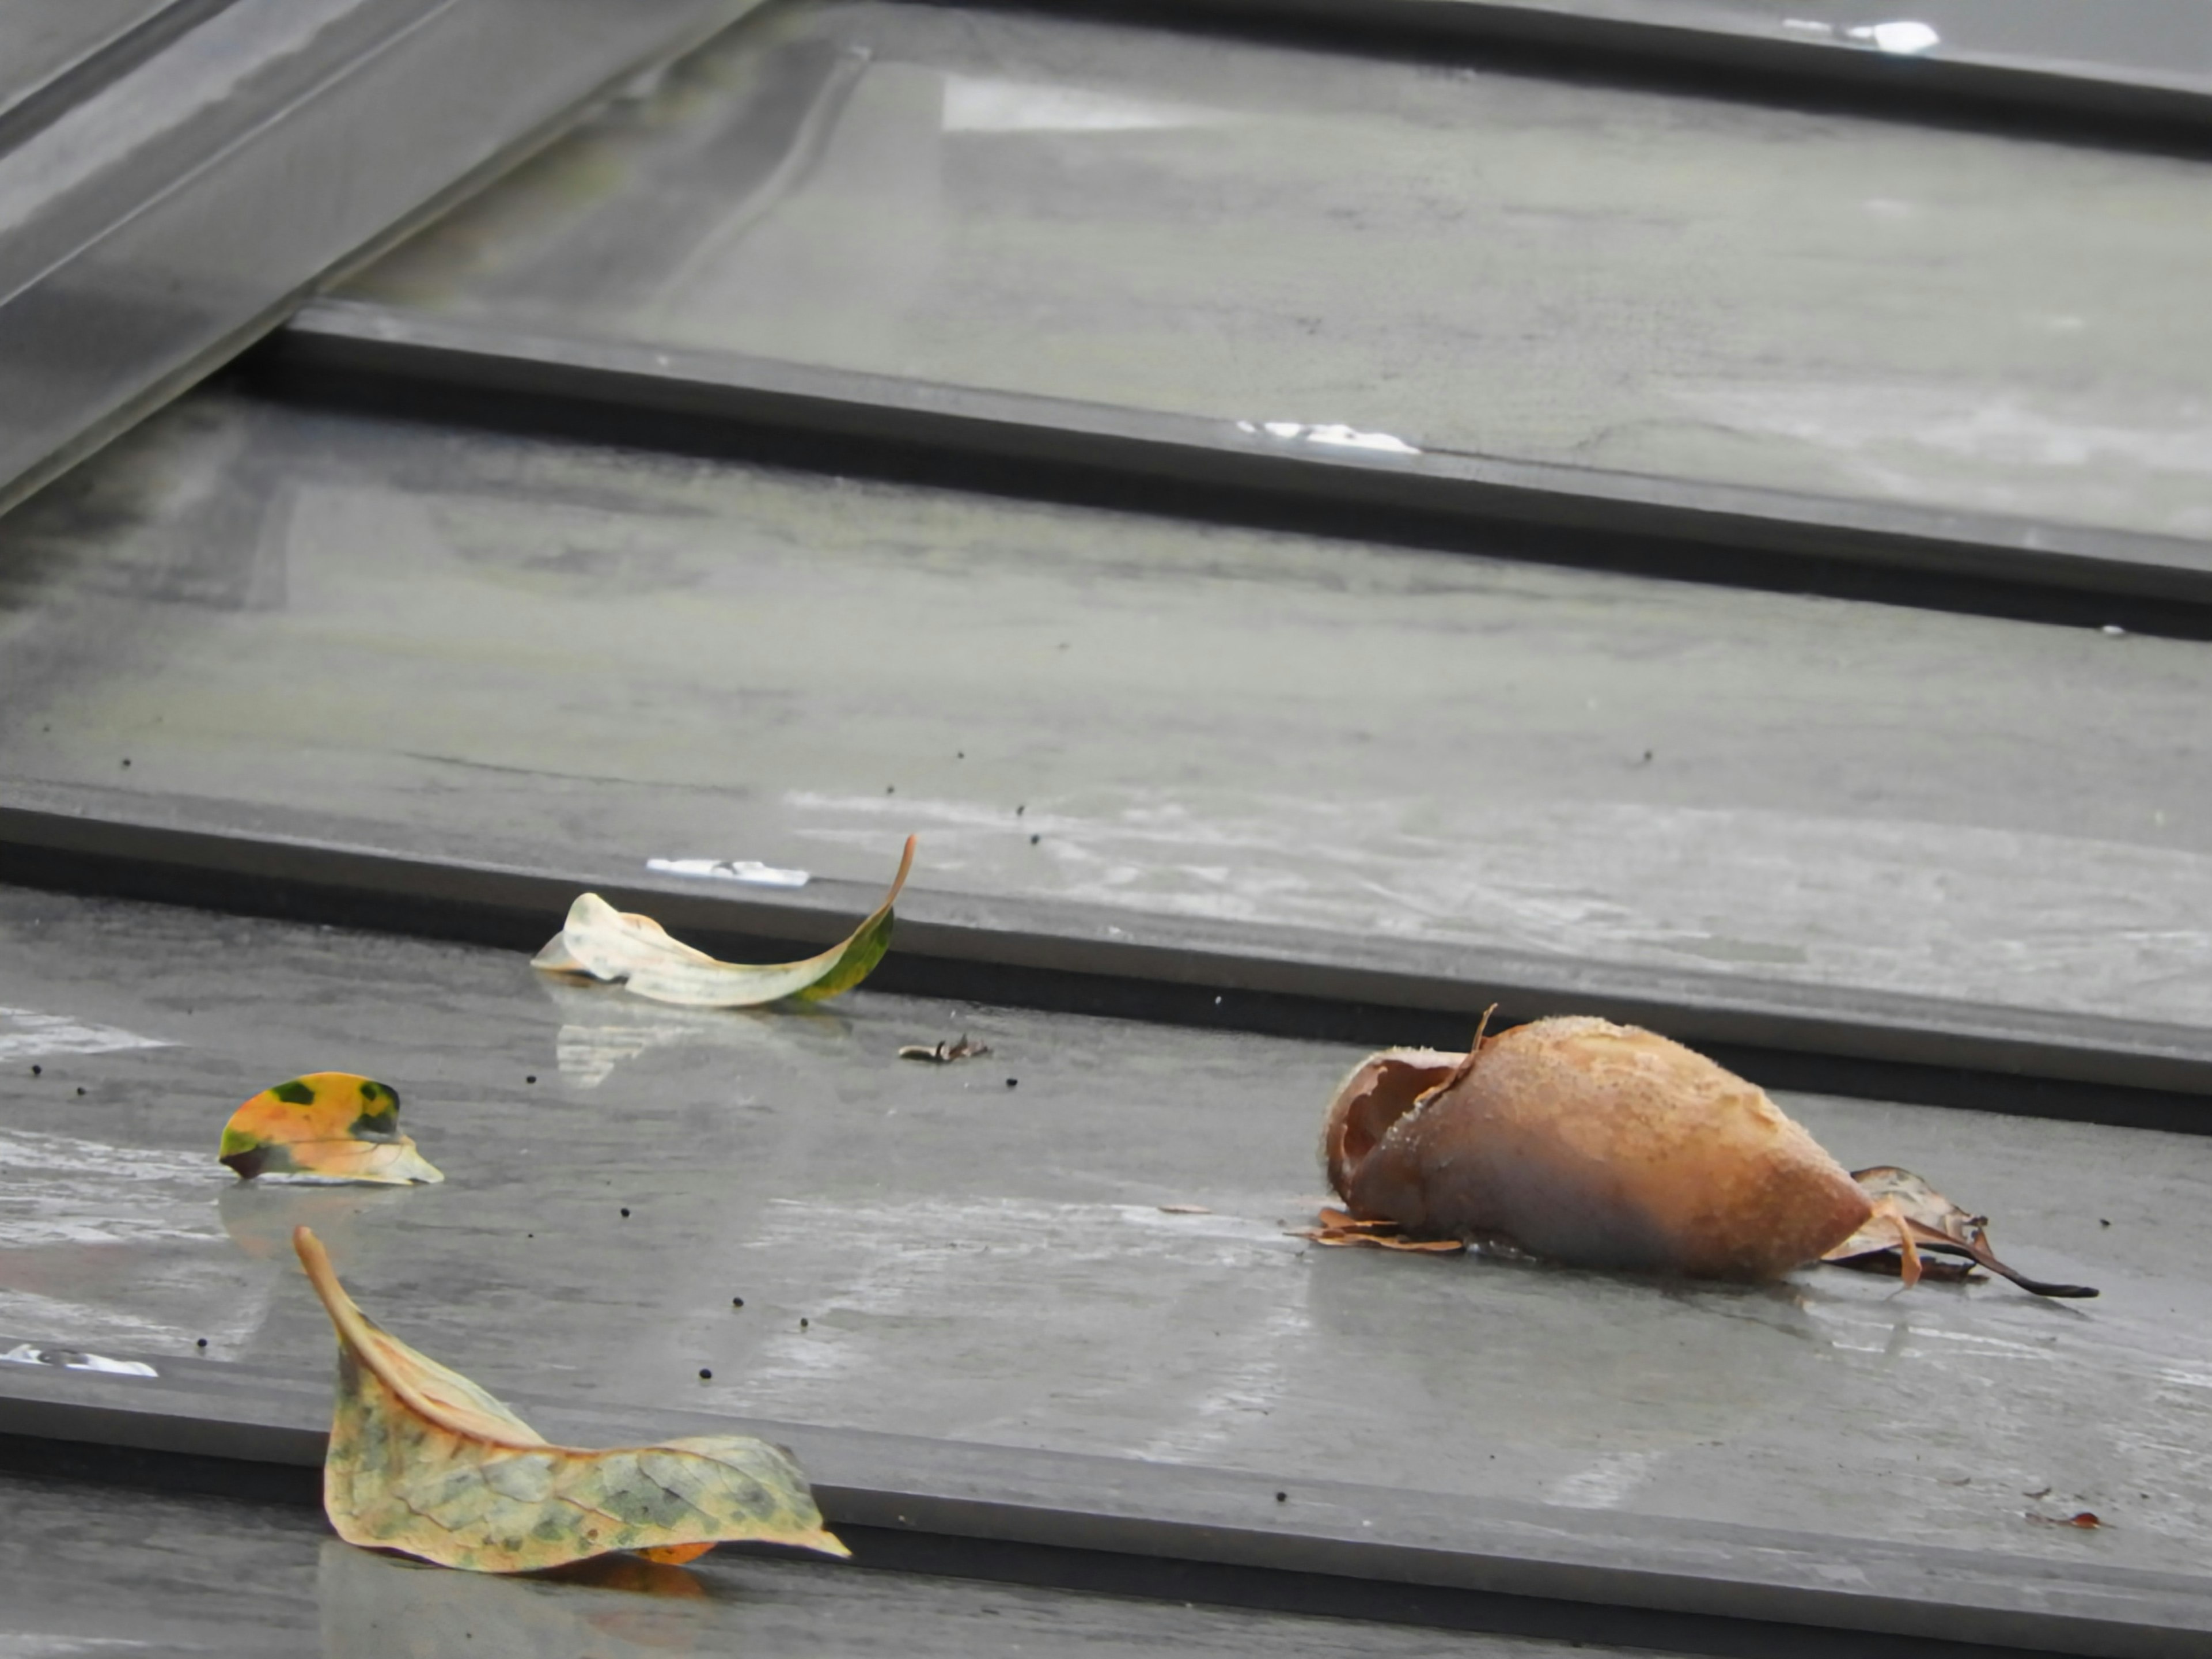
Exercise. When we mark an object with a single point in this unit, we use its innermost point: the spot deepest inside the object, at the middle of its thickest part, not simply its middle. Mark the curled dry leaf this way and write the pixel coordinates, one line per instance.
(614, 945)
(1589, 1143)
(1929, 1222)
(423, 1461)
(1602, 1145)
(943, 1053)
(328, 1123)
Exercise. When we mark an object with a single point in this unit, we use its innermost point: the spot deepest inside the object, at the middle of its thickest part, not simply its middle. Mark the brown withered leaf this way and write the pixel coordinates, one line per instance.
(1931, 1222)
(422, 1460)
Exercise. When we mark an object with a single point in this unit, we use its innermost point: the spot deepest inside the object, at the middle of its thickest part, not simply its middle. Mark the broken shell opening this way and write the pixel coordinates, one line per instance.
(1379, 1093)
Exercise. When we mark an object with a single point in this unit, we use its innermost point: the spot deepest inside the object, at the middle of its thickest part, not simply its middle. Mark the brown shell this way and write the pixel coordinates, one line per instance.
(1590, 1143)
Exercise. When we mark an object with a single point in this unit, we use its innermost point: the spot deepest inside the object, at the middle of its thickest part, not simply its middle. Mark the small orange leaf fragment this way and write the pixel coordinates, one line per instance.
(327, 1123)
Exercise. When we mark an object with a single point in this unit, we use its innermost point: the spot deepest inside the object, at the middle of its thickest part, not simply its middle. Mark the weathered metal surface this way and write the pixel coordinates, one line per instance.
(84, 1570)
(1446, 258)
(460, 642)
(1002, 1252)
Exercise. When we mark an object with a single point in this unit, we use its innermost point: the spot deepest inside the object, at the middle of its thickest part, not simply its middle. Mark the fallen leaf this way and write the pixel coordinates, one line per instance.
(943, 1053)
(2084, 1519)
(328, 1123)
(1595, 1145)
(619, 945)
(422, 1460)
(1577, 1140)
(1933, 1222)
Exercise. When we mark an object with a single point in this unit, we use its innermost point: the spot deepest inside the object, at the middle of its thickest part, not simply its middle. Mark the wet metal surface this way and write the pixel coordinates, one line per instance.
(38, 43)
(1450, 258)
(1092, 1259)
(86, 1570)
(494, 649)
(2167, 42)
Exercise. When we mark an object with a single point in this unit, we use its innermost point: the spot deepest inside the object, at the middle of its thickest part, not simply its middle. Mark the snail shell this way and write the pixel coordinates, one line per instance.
(1592, 1144)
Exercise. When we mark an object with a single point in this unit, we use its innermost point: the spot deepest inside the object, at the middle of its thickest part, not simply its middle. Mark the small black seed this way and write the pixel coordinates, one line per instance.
(2101, 1222)
(625, 1214)
(203, 1342)
(1282, 1497)
(736, 1302)
(1034, 839)
(802, 1324)
(126, 760)
(1012, 1081)
(704, 1374)
(532, 1078)
(37, 1071)
(1018, 811)
(80, 1088)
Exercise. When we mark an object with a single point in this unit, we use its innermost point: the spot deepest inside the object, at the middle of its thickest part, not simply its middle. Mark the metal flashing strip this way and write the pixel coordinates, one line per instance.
(1328, 481)
(1024, 952)
(1690, 1585)
(2054, 75)
(177, 209)
(50, 62)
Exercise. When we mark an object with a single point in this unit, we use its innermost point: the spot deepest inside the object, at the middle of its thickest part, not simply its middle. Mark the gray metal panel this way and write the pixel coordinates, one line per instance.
(1219, 1517)
(177, 210)
(461, 648)
(44, 40)
(85, 1570)
(990, 1265)
(1227, 469)
(1458, 259)
(1850, 1040)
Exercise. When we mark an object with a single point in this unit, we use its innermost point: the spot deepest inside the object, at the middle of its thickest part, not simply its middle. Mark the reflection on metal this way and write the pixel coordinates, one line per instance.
(73, 1359)
(1903, 39)
(977, 104)
(1334, 436)
(1906, 40)
(182, 208)
(749, 871)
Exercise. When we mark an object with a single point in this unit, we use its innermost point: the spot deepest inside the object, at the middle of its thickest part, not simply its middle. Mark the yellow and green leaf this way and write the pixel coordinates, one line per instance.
(615, 944)
(423, 1461)
(328, 1123)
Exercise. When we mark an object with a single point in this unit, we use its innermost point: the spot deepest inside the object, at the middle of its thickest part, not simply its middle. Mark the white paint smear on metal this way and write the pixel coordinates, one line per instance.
(978, 104)
(27, 1034)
